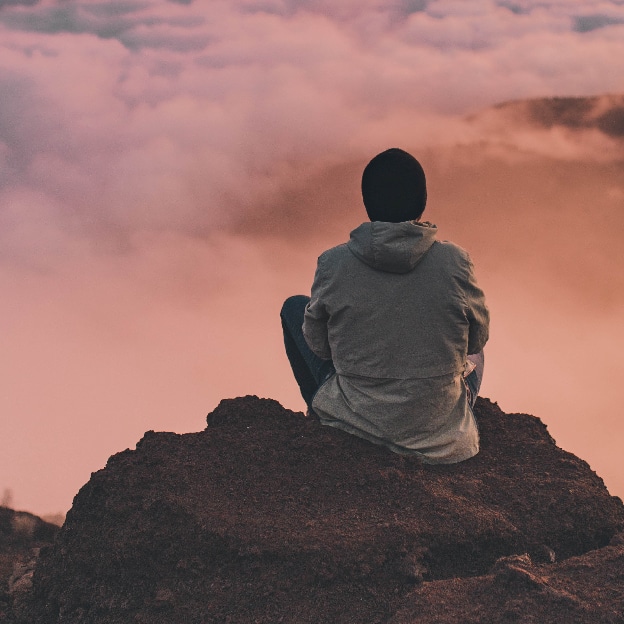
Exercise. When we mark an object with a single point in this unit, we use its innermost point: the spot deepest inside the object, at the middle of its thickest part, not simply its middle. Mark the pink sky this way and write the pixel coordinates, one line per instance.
(170, 172)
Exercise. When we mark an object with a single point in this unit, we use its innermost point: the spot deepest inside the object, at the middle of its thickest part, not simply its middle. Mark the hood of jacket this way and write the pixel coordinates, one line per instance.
(392, 247)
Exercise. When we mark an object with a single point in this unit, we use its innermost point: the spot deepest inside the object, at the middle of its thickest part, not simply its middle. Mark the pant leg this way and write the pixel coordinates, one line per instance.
(310, 370)
(473, 381)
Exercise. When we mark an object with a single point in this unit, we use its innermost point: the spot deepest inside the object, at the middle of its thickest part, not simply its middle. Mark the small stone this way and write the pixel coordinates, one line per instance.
(164, 595)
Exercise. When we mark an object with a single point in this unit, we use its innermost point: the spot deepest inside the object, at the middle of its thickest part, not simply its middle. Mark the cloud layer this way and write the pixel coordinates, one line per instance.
(122, 116)
(169, 172)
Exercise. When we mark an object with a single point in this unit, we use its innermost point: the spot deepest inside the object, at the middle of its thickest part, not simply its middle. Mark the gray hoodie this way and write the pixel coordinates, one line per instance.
(397, 312)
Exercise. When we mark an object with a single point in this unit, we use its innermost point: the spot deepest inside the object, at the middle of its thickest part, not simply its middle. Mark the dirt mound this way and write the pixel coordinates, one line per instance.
(267, 516)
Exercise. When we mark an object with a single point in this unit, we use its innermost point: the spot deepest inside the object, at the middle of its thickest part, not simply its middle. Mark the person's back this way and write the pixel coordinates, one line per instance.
(394, 313)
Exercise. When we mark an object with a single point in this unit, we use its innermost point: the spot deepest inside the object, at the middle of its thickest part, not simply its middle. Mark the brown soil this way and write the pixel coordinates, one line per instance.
(588, 589)
(268, 517)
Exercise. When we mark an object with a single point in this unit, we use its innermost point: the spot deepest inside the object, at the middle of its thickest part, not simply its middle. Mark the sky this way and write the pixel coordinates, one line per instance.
(170, 171)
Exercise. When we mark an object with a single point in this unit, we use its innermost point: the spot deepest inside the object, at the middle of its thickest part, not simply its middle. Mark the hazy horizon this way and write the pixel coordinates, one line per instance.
(171, 171)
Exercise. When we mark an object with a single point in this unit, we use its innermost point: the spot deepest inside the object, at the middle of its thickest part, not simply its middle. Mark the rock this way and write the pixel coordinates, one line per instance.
(21, 535)
(267, 516)
(588, 589)
(20, 581)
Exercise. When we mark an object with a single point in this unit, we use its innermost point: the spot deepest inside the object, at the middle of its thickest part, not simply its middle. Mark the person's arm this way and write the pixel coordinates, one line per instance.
(476, 311)
(316, 317)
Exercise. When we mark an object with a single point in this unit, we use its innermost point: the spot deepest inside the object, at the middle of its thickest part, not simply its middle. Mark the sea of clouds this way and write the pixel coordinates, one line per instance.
(120, 117)
(170, 170)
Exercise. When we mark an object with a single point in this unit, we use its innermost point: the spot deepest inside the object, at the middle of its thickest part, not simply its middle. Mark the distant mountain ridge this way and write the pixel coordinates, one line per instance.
(566, 128)
(603, 112)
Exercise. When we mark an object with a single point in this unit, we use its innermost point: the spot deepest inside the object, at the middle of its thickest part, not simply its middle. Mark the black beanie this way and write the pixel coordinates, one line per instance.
(394, 187)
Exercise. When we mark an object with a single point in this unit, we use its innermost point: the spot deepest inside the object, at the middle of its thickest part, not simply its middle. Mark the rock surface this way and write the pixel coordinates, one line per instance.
(267, 516)
(582, 590)
(21, 536)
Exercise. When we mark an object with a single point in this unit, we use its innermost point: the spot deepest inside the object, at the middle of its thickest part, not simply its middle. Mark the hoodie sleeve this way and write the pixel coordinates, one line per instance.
(316, 317)
(476, 311)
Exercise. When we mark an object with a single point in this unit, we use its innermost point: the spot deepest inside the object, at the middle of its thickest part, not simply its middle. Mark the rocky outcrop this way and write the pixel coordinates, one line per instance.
(267, 516)
(604, 113)
(21, 536)
(582, 590)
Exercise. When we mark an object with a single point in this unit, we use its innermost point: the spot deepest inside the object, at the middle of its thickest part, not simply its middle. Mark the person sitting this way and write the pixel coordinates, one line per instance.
(389, 346)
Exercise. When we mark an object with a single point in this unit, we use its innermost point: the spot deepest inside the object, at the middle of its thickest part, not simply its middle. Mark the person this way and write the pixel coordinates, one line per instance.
(389, 346)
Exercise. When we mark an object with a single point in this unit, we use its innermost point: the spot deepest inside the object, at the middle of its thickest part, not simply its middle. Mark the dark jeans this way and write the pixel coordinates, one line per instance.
(311, 372)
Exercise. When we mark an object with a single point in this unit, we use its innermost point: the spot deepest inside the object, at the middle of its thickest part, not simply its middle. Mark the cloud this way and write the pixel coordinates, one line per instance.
(587, 23)
(128, 22)
(11, 3)
(130, 116)
(170, 171)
